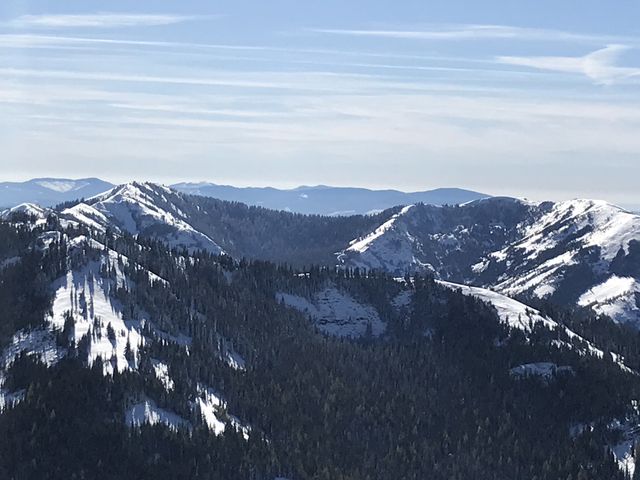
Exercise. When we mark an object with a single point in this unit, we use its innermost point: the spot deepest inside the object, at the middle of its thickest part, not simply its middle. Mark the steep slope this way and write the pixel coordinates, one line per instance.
(48, 192)
(88, 321)
(25, 212)
(325, 200)
(445, 240)
(522, 317)
(580, 252)
(389, 247)
(145, 209)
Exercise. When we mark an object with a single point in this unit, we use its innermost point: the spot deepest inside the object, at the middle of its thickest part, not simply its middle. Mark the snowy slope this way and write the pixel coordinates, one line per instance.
(142, 208)
(388, 247)
(510, 311)
(85, 294)
(616, 297)
(563, 250)
(208, 407)
(363, 245)
(161, 371)
(522, 317)
(213, 412)
(26, 210)
(147, 412)
(446, 240)
(337, 313)
(623, 450)
(584, 236)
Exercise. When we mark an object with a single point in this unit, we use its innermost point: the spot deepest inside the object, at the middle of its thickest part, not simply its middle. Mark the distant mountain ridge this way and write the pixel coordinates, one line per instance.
(312, 200)
(48, 192)
(327, 200)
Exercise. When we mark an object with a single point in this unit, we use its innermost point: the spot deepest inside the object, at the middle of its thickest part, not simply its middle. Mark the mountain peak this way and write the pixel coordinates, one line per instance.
(28, 209)
(143, 208)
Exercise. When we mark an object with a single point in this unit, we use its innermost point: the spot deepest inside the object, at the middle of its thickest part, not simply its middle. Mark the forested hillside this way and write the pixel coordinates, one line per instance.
(228, 381)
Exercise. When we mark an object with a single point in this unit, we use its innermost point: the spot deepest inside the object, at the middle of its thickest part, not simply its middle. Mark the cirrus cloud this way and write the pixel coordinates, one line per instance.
(600, 66)
(98, 20)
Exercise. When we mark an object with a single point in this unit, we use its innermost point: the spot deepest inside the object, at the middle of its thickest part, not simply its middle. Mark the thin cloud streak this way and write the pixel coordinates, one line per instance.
(475, 32)
(302, 81)
(99, 20)
(50, 41)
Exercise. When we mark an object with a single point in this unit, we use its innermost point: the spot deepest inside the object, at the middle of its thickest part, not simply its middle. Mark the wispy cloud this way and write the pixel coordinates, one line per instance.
(321, 82)
(474, 32)
(600, 66)
(98, 20)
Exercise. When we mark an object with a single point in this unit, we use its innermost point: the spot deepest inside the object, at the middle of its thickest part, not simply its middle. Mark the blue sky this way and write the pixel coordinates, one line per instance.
(534, 99)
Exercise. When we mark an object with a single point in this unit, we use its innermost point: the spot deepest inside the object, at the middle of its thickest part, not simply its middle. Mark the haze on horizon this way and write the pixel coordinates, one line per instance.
(538, 101)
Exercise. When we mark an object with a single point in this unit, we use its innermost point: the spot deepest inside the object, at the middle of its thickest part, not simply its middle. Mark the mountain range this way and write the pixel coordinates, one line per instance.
(318, 200)
(153, 333)
(325, 200)
(579, 252)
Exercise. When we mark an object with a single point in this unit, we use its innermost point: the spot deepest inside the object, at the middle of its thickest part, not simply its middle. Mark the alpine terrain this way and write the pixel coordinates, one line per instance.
(152, 333)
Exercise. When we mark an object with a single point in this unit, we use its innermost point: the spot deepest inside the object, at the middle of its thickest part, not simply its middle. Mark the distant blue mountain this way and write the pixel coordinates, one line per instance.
(325, 200)
(320, 199)
(50, 191)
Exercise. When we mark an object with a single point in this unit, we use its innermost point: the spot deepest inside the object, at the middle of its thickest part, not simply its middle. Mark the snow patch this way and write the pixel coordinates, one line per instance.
(39, 342)
(616, 297)
(10, 399)
(623, 450)
(147, 412)
(161, 371)
(61, 186)
(402, 300)
(85, 295)
(337, 313)
(211, 407)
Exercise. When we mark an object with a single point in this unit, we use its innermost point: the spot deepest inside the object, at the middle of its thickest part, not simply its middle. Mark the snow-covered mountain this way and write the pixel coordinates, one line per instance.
(25, 211)
(134, 337)
(86, 314)
(579, 252)
(445, 240)
(145, 209)
(326, 200)
(50, 191)
(582, 252)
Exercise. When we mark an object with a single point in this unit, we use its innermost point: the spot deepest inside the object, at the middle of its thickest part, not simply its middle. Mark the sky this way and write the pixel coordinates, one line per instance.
(530, 99)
